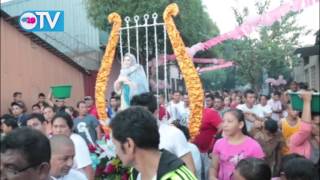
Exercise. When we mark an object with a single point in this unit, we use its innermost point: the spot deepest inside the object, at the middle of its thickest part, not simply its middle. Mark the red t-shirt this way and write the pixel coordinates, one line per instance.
(163, 112)
(209, 127)
(93, 111)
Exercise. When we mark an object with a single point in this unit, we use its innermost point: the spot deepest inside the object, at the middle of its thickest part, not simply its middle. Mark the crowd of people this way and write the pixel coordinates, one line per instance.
(243, 136)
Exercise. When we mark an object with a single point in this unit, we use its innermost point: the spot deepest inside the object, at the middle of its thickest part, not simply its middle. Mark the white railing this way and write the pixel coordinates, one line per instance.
(146, 24)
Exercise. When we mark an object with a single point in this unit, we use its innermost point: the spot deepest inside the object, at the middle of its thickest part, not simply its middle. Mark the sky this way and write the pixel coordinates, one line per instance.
(218, 9)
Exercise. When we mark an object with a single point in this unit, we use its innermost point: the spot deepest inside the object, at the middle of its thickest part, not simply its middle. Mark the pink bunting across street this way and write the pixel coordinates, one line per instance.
(209, 61)
(216, 67)
(266, 19)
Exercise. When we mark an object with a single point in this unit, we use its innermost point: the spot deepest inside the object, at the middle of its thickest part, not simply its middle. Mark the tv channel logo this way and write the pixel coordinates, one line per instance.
(42, 21)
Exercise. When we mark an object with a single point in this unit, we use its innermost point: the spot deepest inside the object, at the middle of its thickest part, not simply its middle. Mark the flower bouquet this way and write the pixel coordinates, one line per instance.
(112, 169)
(105, 162)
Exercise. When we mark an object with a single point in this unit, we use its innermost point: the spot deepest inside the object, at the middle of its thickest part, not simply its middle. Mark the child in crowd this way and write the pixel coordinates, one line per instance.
(252, 169)
(234, 146)
(271, 141)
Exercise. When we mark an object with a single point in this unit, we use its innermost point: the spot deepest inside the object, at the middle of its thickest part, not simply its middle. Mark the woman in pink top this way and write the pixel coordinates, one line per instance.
(306, 141)
(235, 146)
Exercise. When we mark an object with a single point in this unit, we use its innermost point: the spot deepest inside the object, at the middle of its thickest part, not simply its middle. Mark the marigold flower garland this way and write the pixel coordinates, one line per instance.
(105, 69)
(189, 72)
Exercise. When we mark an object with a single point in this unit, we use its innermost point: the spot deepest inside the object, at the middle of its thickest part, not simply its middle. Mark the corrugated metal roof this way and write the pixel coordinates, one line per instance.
(76, 22)
(79, 40)
(38, 40)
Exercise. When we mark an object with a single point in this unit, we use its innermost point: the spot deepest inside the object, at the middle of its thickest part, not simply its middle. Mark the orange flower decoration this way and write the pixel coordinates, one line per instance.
(105, 69)
(190, 75)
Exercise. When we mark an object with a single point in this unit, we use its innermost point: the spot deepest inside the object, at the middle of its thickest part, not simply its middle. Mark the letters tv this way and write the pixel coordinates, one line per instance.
(46, 21)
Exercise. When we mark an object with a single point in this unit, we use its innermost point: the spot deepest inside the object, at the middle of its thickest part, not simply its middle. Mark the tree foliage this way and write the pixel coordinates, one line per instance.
(219, 79)
(272, 48)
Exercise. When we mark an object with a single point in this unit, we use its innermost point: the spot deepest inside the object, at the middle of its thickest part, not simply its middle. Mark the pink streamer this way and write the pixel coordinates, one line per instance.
(276, 82)
(297, 5)
(152, 63)
(195, 48)
(216, 67)
(245, 29)
(209, 61)
(265, 19)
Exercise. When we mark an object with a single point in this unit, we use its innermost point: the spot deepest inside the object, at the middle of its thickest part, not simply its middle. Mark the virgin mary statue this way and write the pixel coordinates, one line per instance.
(131, 81)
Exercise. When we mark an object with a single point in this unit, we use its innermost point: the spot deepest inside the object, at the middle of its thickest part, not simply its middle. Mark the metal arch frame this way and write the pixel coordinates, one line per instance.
(189, 72)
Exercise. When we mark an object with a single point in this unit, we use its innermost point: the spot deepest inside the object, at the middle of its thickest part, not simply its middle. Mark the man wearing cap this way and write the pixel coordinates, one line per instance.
(18, 109)
(60, 105)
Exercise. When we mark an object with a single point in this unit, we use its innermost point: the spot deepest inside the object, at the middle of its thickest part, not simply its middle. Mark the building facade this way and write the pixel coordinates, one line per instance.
(80, 39)
(308, 70)
(30, 65)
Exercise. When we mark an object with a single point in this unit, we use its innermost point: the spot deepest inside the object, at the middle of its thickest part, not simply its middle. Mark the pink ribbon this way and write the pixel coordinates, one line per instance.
(216, 67)
(209, 61)
(276, 82)
(161, 60)
(265, 19)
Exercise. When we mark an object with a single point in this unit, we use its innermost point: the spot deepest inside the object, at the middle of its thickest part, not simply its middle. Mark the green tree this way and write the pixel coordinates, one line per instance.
(214, 80)
(272, 49)
(193, 21)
